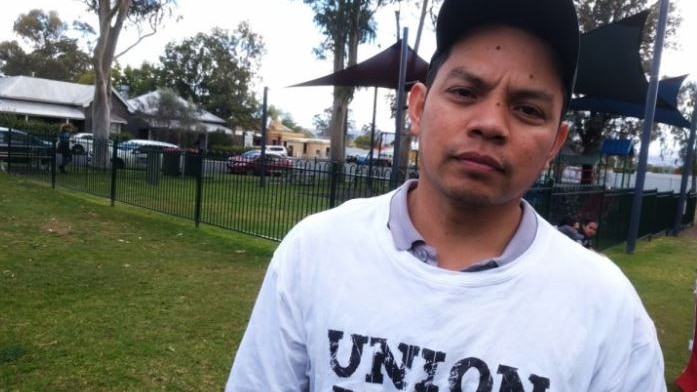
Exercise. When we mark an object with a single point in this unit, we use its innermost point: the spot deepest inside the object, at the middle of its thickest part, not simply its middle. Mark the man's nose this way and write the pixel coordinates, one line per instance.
(490, 121)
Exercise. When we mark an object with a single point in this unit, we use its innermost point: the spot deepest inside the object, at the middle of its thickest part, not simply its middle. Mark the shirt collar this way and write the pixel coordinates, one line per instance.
(406, 237)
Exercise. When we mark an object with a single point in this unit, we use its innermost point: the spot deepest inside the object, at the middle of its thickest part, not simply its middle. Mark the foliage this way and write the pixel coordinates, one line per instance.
(13, 121)
(217, 71)
(362, 141)
(137, 81)
(54, 55)
(344, 25)
(322, 122)
(688, 104)
(112, 15)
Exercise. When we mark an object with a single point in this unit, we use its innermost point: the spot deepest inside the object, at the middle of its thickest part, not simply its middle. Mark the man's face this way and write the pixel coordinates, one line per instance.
(589, 229)
(491, 120)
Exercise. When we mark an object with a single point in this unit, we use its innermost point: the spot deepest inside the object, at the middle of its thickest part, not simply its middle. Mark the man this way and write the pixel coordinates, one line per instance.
(587, 230)
(453, 282)
(64, 135)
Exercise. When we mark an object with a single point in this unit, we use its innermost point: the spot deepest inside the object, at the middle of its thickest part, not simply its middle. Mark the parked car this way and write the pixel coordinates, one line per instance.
(378, 160)
(277, 149)
(82, 143)
(25, 147)
(251, 163)
(134, 153)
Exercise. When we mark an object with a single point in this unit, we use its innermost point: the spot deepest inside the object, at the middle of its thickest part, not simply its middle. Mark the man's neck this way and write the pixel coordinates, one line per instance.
(463, 235)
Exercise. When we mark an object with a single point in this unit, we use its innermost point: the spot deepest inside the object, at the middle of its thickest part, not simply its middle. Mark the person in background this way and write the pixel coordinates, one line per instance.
(587, 230)
(64, 134)
(569, 226)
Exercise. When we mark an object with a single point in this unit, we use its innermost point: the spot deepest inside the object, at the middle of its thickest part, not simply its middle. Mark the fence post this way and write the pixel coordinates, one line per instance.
(114, 157)
(9, 150)
(199, 188)
(334, 181)
(53, 163)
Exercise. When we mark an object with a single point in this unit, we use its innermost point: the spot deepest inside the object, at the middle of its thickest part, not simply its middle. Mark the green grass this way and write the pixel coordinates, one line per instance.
(663, 272)
(100, 298)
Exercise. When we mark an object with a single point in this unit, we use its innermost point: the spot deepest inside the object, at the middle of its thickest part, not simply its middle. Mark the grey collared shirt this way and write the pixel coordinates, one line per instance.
(406, 237)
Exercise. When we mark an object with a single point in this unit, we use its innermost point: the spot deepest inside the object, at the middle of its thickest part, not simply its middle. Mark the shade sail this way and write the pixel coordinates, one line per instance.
(666, 114)
(609, 64)
(381, 70)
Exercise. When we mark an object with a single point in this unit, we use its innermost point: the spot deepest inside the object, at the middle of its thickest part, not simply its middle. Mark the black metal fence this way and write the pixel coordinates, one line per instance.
(266, 199)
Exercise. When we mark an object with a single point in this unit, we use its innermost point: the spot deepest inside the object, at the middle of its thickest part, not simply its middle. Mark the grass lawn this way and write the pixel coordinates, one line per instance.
(100, 298)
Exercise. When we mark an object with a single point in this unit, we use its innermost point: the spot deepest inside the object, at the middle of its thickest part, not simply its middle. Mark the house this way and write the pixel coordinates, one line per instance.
(297, 143)
(55, 101)
(149, 116)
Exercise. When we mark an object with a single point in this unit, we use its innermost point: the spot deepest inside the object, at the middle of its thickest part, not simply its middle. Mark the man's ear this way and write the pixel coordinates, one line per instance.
(417, 99)
(559, 140)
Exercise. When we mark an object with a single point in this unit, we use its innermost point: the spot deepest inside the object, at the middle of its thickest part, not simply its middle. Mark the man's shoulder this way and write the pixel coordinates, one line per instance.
(567, 256)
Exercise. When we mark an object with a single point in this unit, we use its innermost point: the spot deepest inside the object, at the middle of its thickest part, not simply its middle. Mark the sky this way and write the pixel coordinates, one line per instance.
(290, 36)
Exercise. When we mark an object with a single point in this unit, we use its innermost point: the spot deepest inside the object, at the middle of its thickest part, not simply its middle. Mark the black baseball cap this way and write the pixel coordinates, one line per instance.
(553, 21)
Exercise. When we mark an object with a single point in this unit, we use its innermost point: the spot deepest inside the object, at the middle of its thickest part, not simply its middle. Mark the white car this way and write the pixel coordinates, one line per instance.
(83, 143)
(134, 153)
(277, 149)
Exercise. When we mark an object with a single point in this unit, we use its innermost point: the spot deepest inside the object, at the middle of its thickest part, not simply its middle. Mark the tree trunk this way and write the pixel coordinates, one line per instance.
(591, 139)
(405, 137)
(103, 58)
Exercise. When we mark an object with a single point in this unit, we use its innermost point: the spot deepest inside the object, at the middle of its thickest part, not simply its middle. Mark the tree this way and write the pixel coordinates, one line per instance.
(362, 141)
(688, 104)
(54, 55)
(322, 122)
(344, 24)
(217, 71)
(137, 81)
(591, 128)
(405, 138)
(166, 110)
(113, 14)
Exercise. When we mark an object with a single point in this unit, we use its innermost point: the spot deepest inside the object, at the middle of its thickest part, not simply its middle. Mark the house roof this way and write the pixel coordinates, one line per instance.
(46, 91)
(57, 92)
(40, 109)
(147, 103)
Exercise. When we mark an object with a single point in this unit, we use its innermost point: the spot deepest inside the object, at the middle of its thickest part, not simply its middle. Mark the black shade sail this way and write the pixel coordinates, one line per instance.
(610, 77)
(609, 63)
(381, 70)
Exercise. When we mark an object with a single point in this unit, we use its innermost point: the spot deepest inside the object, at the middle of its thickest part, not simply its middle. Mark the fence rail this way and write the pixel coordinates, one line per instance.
(267, 200)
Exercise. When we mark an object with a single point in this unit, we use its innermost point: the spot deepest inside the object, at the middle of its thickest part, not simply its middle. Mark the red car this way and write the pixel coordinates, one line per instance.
(251, 163)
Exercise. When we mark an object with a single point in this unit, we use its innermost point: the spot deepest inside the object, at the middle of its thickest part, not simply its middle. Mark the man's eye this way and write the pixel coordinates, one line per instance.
(462, 93)
(531, 111)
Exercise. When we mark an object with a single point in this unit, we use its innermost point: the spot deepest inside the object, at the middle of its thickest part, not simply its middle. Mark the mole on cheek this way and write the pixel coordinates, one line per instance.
(498, 47)
(498, 103)
(532, 76)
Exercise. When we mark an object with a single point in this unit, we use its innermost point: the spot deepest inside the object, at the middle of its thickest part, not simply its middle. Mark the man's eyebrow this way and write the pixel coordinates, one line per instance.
(539, 95)
(467, 76)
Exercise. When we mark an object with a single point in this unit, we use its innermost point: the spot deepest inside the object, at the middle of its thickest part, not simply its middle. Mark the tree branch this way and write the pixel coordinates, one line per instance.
(139, 40)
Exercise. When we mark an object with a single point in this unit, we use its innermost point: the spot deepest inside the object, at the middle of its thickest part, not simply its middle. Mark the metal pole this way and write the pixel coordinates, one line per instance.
(649, 112)
(399, 118)
(687, 169)
(372, 139)
(262, 156)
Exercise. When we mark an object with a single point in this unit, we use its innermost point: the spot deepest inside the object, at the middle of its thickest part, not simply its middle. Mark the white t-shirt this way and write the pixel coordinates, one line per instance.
(341, 309)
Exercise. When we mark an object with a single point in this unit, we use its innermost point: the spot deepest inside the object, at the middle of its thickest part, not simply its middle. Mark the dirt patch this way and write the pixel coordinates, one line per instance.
(57, 227)
(690, 231)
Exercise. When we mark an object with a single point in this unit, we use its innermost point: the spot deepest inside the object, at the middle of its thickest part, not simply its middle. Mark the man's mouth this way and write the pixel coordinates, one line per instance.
(479, 161)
